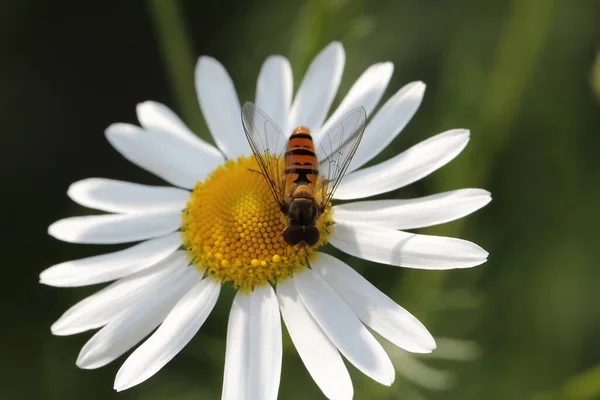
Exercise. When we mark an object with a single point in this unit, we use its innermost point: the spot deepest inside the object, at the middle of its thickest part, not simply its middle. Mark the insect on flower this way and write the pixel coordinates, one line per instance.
(301, 178)
(217, 226)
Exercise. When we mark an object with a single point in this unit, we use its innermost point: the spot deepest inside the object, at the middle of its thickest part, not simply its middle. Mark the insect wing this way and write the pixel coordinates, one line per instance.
(336, 149)
(268, 145)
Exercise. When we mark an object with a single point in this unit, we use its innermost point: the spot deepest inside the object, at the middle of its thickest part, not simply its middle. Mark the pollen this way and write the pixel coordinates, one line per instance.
(233, 229)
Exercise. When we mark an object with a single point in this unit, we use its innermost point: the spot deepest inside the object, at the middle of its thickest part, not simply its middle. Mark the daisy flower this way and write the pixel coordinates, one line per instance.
(218, 225)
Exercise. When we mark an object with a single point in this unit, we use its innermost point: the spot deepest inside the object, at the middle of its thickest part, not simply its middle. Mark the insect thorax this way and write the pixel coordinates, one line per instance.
(303, 211)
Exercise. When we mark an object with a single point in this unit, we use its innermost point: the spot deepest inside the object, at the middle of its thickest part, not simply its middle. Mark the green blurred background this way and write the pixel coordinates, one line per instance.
(519, 74)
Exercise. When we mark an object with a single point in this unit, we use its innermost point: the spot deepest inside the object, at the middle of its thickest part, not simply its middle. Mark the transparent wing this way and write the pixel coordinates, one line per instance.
(336, 149)
(268, 144)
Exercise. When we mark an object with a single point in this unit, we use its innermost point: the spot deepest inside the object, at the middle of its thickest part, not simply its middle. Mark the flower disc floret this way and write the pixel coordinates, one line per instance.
(233, 229)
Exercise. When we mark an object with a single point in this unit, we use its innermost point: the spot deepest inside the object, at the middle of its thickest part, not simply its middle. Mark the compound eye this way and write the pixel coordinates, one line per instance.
(296, 234)
(312, 235)
(293, 235)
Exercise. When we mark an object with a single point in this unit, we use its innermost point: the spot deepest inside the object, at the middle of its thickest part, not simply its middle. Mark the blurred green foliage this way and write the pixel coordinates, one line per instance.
(523, 75)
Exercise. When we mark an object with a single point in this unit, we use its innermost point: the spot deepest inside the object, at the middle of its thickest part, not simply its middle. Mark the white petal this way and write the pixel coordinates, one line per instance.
(388, 246)
(373, 307)
(164, 154)
(176, 331)
(111, 266)
(221, 107)
(105, 305)
(265, 352)
(236, 373)
(130, 327)
(254, 348)
(405, 168)
(388, 122)
(114, 228)
(318, 89)
(343, 327)
(413, 213)
(320, 356)
(156, 116)
(366, 92)
(274, 89)
(126, 197)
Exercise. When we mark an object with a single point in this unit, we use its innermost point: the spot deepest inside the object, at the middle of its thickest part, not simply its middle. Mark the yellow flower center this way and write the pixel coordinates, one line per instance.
(233, 228)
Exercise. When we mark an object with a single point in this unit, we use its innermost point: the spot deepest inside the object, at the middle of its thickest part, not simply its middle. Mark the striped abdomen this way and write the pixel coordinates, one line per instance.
(301, 166)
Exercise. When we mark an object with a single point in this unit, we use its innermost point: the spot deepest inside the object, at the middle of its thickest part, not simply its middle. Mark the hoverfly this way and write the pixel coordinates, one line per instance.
(302, 175)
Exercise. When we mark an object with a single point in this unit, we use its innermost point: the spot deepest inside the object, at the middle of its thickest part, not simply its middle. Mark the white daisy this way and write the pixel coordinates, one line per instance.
(230, 231)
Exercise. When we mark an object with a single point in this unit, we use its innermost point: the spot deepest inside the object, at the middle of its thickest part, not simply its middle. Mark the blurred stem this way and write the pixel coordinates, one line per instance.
(517, 53)
(310, 33)
(516, 57)
(177, 54)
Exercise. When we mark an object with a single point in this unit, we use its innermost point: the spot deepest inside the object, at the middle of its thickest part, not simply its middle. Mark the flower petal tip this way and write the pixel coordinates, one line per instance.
(482, 192)
(117, 129)
(275, 58)
(121, 388)
(462, 132)
(483, 252)
(419, 87)
(58, 330)
(483, 195)
(433, 344)
(74, 189)
(55, 228)
(389, 380)
(45, 278)
(426, 351)
(423, 344)
(336, 48)
(488, 199)
(54, 329)
(121, 385)
(83, 361)
(429, 344)
(386, 68)
(53, 277)
(144, 107)
(206, 62)
(63, 230)
(478, 255)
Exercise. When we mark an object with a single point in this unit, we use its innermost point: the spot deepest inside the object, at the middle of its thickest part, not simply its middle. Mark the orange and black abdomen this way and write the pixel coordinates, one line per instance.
(301, 165)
